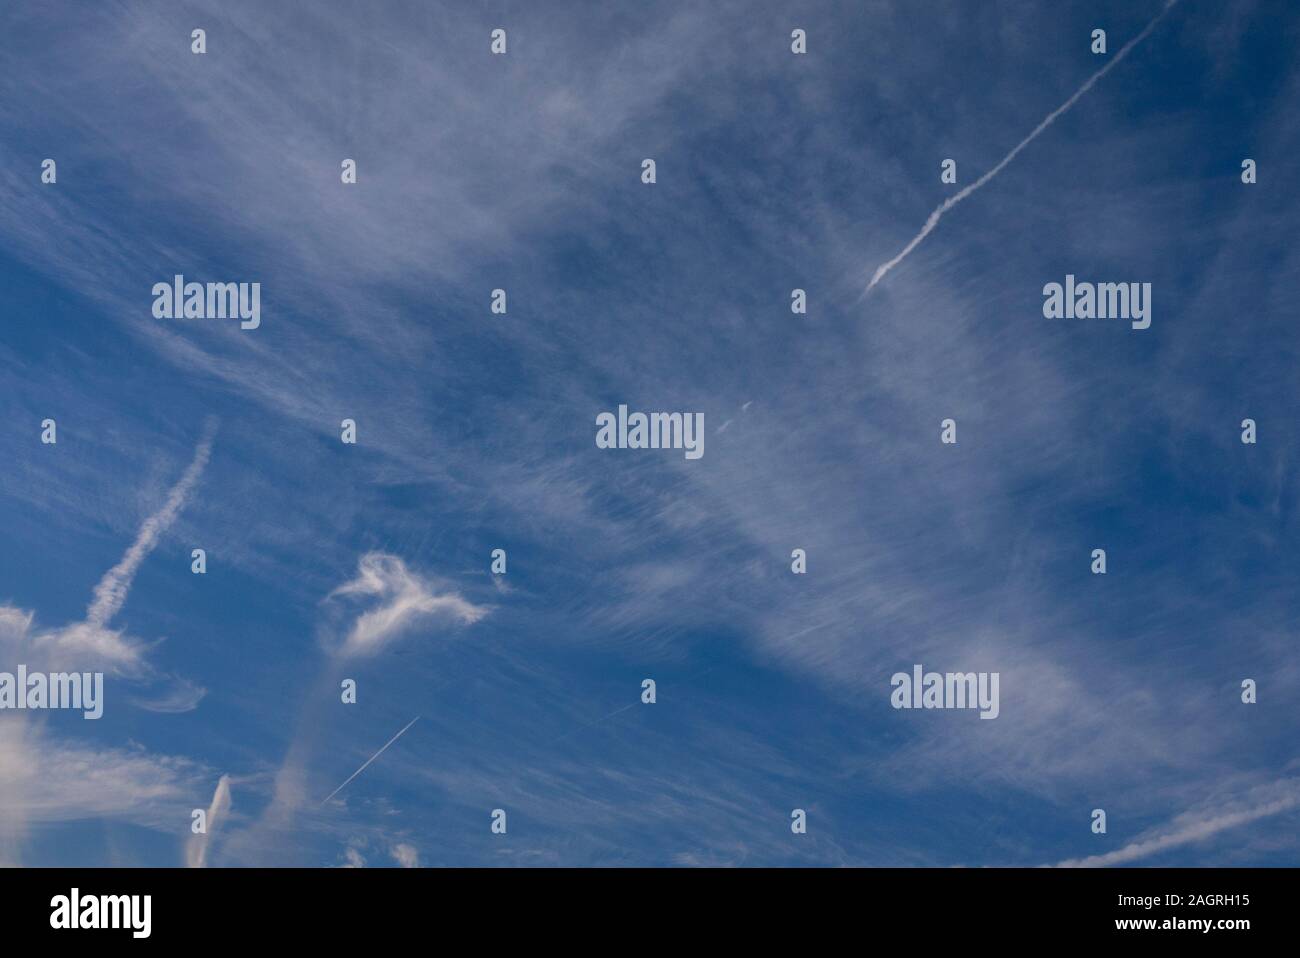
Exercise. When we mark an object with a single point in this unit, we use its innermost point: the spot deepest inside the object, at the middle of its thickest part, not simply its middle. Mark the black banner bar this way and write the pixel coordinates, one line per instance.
(1221, 907)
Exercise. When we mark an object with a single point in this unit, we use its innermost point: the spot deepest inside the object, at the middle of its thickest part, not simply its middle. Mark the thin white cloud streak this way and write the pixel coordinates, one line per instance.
(369, 760)
(196, 851)
(956, 198)
(1193, 831)
(110, 594)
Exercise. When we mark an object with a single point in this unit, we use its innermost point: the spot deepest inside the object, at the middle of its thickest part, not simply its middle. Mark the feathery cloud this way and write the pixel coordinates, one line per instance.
(406, 597)
(44, 780)
(180, 695)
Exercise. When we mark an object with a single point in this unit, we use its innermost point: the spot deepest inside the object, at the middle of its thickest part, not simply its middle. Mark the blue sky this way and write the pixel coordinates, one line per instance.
(476, 431)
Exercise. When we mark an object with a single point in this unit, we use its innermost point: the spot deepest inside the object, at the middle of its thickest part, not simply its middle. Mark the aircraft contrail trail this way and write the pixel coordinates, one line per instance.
(369, 760)
(1194, 831)
(620, 711)
(110, 593)
(956, 198)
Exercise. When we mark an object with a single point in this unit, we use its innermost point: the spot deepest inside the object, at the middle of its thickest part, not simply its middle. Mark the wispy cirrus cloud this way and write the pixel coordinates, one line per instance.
(403, 599)
(48, 779)
(947, 561)
(180, 695)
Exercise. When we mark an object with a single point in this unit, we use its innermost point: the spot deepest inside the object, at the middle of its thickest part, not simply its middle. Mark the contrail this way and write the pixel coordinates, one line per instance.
(196, 855)
(1194, 832)
(603, 718)
(956, 198)
(369, 760)
(111, 592)
(620, 711)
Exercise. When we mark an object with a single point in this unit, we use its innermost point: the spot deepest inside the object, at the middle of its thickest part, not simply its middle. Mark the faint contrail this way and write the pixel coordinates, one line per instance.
(369, 760)
(620, 711)
(112, 589)
(603, 718)
(956, 198)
